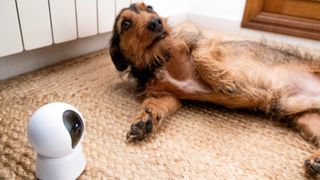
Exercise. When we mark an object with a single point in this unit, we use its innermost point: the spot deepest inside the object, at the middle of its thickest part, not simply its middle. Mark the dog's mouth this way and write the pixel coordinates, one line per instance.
(158, 38)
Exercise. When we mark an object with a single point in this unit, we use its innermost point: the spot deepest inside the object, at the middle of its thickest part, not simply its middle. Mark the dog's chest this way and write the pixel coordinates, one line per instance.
(189, 85)
(179, 77)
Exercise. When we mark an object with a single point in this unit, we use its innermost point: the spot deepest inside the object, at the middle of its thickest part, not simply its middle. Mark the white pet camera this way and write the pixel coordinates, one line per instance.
(55, 131)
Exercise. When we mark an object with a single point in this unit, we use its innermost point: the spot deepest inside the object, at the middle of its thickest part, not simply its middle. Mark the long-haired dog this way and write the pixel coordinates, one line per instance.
(172, 67)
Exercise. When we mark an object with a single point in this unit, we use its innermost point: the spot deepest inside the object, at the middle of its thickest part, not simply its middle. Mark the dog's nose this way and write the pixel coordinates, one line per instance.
(155, 24)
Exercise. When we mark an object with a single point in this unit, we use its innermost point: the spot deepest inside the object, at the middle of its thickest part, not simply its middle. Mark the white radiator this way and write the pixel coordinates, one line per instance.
(31, 24)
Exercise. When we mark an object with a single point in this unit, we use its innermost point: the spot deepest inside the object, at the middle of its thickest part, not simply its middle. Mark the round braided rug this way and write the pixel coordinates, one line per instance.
(201, 141)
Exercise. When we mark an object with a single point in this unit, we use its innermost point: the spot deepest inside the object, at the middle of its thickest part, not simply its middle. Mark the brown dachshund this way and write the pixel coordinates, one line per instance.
(169, 67)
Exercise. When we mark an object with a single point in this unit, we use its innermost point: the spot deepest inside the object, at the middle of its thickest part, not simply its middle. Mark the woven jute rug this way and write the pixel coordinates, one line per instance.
(201, 141)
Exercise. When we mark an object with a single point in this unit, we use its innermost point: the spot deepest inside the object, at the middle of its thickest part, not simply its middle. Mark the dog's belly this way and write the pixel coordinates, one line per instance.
(308, 83)
(255, 85)
(274, 83)
(293, 81)
(261, 85)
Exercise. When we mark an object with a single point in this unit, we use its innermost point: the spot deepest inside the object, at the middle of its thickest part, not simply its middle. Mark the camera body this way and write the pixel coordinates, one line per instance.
(55, 131)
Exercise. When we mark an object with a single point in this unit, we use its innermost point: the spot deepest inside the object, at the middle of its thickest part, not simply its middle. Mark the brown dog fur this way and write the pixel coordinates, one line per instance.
(172, 67)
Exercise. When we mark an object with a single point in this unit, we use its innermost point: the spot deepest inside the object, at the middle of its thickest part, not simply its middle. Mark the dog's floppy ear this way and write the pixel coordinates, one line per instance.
(118, 59)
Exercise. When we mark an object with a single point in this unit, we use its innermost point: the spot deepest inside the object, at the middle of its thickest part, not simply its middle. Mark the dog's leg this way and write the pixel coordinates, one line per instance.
(153, 111)
(299, 103)
(306, 111)
(309, 127)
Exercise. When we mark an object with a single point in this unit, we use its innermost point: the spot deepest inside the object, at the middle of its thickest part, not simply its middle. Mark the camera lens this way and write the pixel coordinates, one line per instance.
(74, 125)
(76, 128)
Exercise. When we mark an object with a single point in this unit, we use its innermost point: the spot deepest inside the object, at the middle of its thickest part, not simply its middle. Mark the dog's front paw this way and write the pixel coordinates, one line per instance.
(139, 130)
(312, 165)
(141, 127)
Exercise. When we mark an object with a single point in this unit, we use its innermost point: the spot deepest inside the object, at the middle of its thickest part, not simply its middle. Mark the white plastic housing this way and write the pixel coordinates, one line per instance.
(66, 168)
(47, 133)
(57, 157)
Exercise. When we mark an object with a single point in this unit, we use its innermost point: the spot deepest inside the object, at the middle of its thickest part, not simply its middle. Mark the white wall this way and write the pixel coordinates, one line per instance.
(168, 8)
(175, 10)
(224, 9)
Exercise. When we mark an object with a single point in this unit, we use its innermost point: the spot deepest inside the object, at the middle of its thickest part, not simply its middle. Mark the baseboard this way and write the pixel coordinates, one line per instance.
(27, 61)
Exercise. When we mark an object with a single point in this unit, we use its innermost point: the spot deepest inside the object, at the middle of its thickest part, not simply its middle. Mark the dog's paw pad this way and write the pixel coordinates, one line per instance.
(139, 130)
(312, 166)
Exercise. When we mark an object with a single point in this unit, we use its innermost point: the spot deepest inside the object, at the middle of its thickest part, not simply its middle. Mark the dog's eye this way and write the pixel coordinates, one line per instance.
(150, 9)
(126, 24)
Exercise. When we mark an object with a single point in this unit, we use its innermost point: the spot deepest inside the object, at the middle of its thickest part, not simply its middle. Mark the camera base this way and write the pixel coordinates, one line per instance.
(67, 167)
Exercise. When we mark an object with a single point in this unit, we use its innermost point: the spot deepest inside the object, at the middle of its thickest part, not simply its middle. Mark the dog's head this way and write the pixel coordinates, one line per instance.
(139, 37)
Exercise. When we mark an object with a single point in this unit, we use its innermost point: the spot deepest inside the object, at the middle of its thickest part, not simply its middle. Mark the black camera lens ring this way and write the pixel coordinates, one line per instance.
(74, 124)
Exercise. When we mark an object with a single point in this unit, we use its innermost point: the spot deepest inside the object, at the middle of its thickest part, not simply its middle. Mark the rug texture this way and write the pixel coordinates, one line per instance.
(200, 141)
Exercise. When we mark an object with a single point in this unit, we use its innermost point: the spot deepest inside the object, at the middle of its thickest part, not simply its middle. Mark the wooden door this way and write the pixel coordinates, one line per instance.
(292, 17)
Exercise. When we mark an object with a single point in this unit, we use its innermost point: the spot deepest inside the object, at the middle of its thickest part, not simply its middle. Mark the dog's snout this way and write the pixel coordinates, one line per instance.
(155, 24)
